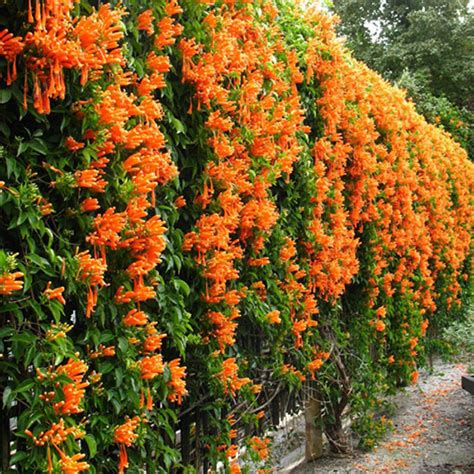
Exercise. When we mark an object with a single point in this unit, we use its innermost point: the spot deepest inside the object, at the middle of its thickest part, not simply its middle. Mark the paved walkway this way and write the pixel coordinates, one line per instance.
(433, 432)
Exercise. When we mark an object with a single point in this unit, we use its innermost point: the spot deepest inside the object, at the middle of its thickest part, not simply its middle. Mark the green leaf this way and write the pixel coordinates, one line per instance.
(6, 331)
(25, 385)
(30, 355)
(116, 405)
(182, 285)
(22, 147)
(123, 344)
(91, 444)
(8, 396)
(58, 359)
(17, 457)
(118, 377)
(106, 337)
(39, 146)
(5, 129)
(106, 367)
(12, 167)
(40, 261)
(24, 337)
(5, 95)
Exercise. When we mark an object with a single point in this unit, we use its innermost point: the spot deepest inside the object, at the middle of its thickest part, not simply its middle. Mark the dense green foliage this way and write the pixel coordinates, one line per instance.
(203, 204)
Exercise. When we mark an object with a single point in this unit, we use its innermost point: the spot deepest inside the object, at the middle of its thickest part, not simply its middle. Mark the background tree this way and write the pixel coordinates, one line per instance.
(424, 46)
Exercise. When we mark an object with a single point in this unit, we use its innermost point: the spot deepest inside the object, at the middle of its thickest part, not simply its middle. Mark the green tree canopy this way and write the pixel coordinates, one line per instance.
(425, 46)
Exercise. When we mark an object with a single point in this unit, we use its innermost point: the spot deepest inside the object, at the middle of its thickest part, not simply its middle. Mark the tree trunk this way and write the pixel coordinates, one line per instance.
(337, 438)
(314, 432)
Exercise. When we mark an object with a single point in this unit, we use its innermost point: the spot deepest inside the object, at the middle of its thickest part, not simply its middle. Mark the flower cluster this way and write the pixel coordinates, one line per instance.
(10, 282)
(125, 435)
(408, 188)
(66, 399)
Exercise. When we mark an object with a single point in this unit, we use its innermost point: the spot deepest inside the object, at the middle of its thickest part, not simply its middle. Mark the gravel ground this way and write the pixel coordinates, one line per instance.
(433, 433)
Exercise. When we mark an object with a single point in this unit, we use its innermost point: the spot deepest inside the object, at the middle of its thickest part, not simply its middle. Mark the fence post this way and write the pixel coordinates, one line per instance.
(4, 414)
(275, 410)
(197, 442)
(205, 430)
(185, 439)
(4, 437)
(313, 428)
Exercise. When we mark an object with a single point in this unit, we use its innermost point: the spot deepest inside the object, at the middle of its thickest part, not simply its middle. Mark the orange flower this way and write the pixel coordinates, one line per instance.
(107, 228)
(173, 8)
(10, 48)
(169, 30)
(57, 434)
(224, 328)
(258, 262)
(299, 327)
(260, 288)
(273, 317)
(176, 382)
(235, 468)
(74, 391)
(145, 22)
(90, 204)
(153, 342)
(135, 318)
(59, 42)
(91, 179)
(232, 450)
(288, 251)
(314, 366)
(45, 207)
(260, 446)
(151, 367)
(229, 378)
(10, 282)
(158, 63)
(180, 202)
(125, 435)
(72, 464)
(55, 293)
(380, 326)
(92, 271)
(146, 246)
(103, 351)
(108, 351)
(413, 342)
(424, 326)
(73, 145)
(140, 293)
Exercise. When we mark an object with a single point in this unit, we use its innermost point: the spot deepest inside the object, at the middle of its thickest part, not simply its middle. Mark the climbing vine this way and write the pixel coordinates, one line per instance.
(201, 203)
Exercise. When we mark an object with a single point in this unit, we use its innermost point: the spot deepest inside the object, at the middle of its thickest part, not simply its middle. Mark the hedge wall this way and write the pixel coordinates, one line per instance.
(203, 201)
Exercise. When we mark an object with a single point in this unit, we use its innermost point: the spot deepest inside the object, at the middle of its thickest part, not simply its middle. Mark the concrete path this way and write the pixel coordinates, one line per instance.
(433, 433)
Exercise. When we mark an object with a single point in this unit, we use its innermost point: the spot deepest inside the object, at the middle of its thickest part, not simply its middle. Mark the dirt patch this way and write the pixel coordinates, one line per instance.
(433, 432)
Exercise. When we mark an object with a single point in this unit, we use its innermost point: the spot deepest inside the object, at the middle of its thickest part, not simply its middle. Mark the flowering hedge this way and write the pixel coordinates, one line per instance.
(202, 201)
